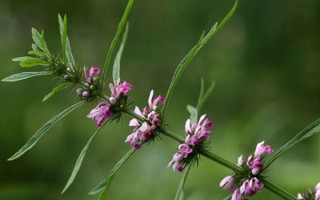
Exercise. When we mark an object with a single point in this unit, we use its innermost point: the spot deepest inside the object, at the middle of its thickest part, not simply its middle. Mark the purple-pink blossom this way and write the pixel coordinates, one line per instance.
(145, 131)
(100, 113)
(105, 109)
(196, 134)
(250, 184)
(118, 89)
(92, 72)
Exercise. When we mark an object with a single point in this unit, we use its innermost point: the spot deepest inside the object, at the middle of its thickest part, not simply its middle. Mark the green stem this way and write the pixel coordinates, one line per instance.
(277, 190)
(268, 185)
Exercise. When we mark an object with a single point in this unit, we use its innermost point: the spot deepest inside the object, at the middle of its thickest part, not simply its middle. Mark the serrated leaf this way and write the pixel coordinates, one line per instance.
(193, 113)
(116, 37)
(27, 61)
(180, 194)
(63, 35)
(309, 131)
(104, 186)
(57, 89)
(34, 139)
(80, 160)
(188, 58)
(116, 65)
(25, 75)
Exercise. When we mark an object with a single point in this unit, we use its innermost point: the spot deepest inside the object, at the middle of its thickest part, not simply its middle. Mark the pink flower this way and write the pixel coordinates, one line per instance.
(227, 183)
(118, 89)
(197, 133)
(100, 113)
(251, 187)
(317, 195)
(93, 71)
(144, 132)
(261, 148)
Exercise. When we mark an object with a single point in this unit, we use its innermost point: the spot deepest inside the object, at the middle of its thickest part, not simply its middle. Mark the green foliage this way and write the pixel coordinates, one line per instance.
(308, 131)
(34, 139)
(65, 43)
(25, 75)
(203, 97)
(27, 61)
(193, 52)
(63, 35)
(180, 193)
(80, 159)
(116, 37)
(116, 65)
(57, 89)
(39, 41)
(104, 186)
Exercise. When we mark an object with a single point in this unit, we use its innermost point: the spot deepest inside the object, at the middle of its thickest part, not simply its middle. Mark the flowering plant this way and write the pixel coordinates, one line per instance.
(112, 101)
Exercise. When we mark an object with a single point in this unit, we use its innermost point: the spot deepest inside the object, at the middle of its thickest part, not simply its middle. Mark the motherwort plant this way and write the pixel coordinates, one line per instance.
(112, 101)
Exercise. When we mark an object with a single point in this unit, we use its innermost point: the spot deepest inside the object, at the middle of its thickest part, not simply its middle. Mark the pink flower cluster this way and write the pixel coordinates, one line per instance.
(144, 131)
(315, 196)
(104, 110)
(249, 185)
(254, 162)
(196, 134)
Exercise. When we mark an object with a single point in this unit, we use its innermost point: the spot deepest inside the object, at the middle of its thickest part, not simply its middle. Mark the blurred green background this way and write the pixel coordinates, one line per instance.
(266, 63)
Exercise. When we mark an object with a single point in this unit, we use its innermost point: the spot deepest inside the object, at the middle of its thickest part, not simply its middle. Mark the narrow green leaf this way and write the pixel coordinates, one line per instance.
(63, 35)
(34, 47)
(69, 55)
(36, 53)
(25, 75)
(182, 65)
(187, 59)
(116, 37)
(27, 61)
(37, 38)
(34, 139)
(44, 44)
(201, 90)
(193, 113)
(204, 96)
(80, 160)
(309, 131)
(57, 89)
(116, 65)
(23, 58)
(105, 185)
(180, 194)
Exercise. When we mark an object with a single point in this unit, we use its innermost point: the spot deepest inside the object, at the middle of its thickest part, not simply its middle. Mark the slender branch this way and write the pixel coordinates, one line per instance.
(268, 185)
(277, 190)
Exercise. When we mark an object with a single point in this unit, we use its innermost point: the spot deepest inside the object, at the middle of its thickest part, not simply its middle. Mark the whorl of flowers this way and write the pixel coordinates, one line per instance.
(311, 194)
(106, 109)
(147, 130)
(196, 137)
(247, 183)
